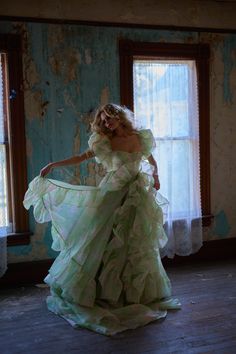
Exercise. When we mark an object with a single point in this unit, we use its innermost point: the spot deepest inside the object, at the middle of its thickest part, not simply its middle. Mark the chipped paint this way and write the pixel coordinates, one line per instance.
(68, 72)
(76, 148)
(88, 57)
(38, 249)
(64, 62)
(34, 105)
(228, 56)
(29, 151)
(56, 35)
(31, 75)
(104, 96)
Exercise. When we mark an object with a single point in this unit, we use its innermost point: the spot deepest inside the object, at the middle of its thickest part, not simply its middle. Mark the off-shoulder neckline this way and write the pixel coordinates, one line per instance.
(127, 152)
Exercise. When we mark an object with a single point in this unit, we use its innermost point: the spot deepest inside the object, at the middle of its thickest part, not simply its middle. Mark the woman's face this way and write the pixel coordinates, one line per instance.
(110, 123)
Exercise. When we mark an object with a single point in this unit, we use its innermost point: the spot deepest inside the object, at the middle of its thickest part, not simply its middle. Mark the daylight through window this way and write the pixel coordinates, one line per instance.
(166, 101)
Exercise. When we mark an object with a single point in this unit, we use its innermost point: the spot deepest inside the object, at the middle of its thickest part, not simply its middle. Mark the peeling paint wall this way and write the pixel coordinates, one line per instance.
(69, 70)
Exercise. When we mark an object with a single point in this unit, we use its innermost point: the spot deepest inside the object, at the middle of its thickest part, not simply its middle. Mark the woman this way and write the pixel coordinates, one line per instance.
(108, 276)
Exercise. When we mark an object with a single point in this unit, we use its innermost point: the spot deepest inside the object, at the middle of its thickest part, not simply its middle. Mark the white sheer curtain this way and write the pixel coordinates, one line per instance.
(166, 101)
(4, 225)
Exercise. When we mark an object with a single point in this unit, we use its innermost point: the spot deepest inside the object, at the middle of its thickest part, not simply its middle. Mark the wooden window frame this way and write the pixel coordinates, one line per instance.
(10, 44)
(130, 50)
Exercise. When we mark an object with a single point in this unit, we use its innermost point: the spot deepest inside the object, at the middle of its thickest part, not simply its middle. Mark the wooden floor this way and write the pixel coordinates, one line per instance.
(206, 323)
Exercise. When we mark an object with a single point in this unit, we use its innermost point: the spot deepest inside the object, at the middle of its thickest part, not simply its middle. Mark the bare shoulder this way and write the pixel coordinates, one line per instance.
(129, 143)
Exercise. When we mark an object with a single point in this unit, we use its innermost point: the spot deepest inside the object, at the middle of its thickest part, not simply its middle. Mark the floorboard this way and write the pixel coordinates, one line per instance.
(205, 324)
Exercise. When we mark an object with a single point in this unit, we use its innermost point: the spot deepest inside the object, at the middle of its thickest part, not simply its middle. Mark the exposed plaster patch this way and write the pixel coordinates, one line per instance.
(77, 143)
(56, 35)
(64, 62)
(69, 102)
(37, 251)
(76, 149)
(31, 76)
(29, 148)
(73, 60)
(213, 38)
(228, 56)
(88, 118)
(88, 58)
(104, 96)
(34, 105)
(55, 65)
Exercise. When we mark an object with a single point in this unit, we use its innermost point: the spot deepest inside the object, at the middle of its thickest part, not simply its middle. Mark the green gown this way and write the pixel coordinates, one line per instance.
(108, 276)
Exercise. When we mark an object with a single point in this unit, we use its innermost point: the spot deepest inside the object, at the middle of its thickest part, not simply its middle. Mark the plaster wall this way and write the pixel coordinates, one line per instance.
(71, 69)
(193, 13)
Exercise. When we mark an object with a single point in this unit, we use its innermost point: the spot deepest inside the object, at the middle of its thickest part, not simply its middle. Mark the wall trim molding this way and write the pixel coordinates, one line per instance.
(34, 272)
(115, 24)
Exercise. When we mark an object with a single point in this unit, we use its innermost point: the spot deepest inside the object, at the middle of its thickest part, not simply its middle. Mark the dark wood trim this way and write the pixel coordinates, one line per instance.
(126, 74)
(11, 45)
(34, 272)
(18, 239)
(130, 50)
(166, 50)
(204, 115)
(19, 274)
(17, 141)
(117, 24)
(6, 114)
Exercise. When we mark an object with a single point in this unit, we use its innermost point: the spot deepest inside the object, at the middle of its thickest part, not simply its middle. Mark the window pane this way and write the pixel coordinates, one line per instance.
(4, 218)
(175, 169)
(165, 101)
(162, 96)
(3, 196)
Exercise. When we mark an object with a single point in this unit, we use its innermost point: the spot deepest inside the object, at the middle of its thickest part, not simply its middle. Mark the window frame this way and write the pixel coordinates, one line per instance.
(11, 45)
(129, 50)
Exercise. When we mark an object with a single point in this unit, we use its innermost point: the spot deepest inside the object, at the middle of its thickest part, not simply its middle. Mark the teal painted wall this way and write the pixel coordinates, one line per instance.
(71, 69)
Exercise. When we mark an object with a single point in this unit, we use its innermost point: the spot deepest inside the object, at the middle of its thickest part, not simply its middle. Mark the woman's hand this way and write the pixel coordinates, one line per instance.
(156, 182)
(45, 170)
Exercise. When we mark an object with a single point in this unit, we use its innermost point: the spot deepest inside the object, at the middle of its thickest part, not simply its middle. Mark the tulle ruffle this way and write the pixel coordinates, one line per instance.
(101, 146)
(109, 262)
(108, 276)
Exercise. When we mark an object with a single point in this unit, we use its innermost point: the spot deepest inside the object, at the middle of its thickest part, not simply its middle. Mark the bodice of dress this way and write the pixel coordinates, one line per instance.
(114, 160)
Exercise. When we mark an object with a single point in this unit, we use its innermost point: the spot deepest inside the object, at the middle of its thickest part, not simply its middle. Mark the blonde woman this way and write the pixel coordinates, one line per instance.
(108, 276)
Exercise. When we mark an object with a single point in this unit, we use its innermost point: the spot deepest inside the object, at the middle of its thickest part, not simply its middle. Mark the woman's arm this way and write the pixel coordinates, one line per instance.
(70, 161)
(152, 162)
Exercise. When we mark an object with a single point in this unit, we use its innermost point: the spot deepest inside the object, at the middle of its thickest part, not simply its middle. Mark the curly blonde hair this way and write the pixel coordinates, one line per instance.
(114, 111)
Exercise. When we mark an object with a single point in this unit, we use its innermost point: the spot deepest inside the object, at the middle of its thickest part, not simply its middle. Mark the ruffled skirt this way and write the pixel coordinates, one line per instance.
(108, 276)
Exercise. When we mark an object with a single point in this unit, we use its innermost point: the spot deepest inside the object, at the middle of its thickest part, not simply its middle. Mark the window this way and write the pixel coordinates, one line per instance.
(158, 81)
(13, 217)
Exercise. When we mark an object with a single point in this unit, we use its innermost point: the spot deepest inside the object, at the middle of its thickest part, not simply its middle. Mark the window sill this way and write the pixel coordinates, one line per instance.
(19, 238)
(207, 220)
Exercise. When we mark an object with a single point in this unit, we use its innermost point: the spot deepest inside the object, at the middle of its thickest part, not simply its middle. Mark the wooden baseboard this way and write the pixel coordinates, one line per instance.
(19, 274)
